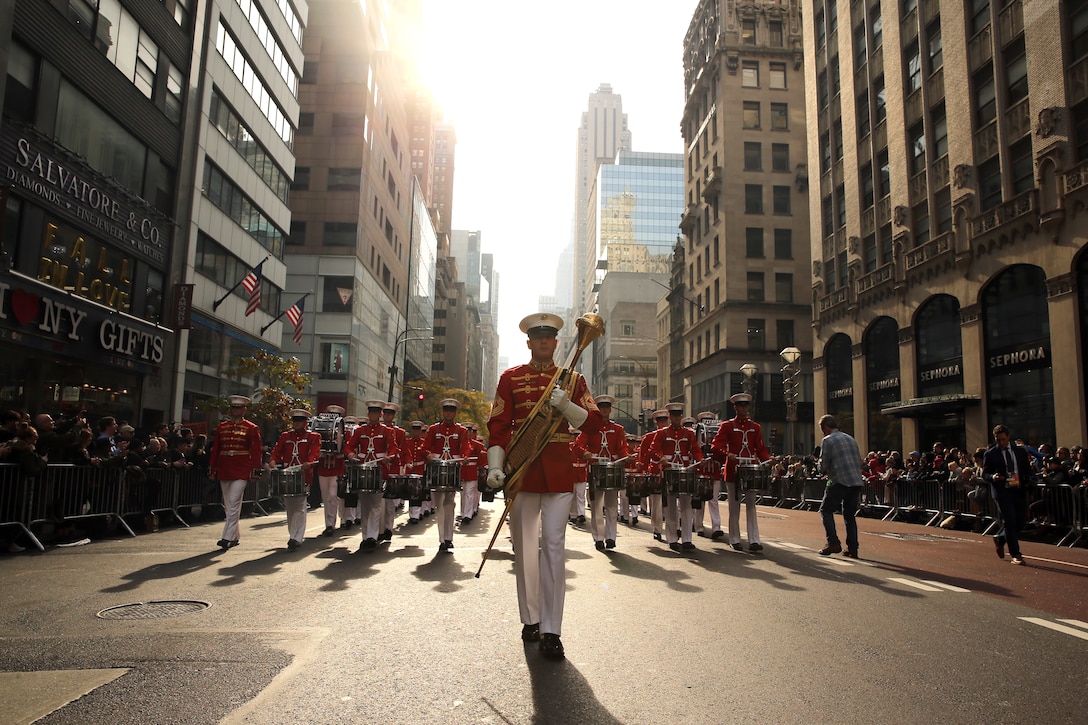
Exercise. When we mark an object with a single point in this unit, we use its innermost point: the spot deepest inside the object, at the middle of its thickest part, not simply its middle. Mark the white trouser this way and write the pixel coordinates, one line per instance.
(578, 502)
(296, 517)
(679, 515)
(329, 500)
(444, 509)
(712, 507)
(470, 497)
(734, 514)
(603, 512)
(657, 516)
(389, 513)
(538, 531)
(347, 513)
(370, 511)
(233, 491)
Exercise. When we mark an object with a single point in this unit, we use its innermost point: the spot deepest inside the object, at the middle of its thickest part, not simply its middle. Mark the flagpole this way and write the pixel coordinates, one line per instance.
(274, 319)
(221, 300)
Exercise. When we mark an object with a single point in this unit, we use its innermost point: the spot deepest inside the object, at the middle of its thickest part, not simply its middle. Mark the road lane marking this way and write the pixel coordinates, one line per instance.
(1075, 623)
(916, 585)
(839, 562)
(1056, 627)
(949, 587)
(1056, 561)
(795, 547)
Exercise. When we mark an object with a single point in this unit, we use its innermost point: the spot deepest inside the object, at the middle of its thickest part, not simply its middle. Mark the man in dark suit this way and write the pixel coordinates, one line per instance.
(1008, 471)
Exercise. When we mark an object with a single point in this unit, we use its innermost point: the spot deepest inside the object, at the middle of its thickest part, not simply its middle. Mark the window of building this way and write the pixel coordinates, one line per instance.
(942, 209)
(781, 196)
(1022, 166)
(868, 253)
(780, 116)
(777, 77)
(985, 102)
(783, 244)
(935, 45)
(221, 191)
(836, 133)
(783, 287)
(753, 199)
(301, 182)
(916, 141)
(913, 68)
(309, 71)
(305, 123)
(784, 336)
(753, 152)
(940, 132)
(341, 234)
(877, 25)
(827, 213)
(883, 174)
(1077, 10)
(757, 334)
(840, 205)
(627, 328)
(860, 51)
(885, 241)
(751, 114)
(1079, 114)
(830, 280)
(989, 183)
(774, 33)
(834, 83)
(780, 157)
(822, 94)
(749, 74)
(348, 124)
(880, 98)
(819, 28)
(344, 179)
(979, 15)
(753, 237)
(920, 223)
(297, 235)
(863, 114)
(755, 287)
(748, 32)
(865, 185)
(825, 152)
(1016, 71)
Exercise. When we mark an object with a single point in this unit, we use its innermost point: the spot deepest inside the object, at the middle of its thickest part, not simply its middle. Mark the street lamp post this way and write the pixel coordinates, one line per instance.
(644, 392)
(401, 337)
(749, 384)
(791, 356)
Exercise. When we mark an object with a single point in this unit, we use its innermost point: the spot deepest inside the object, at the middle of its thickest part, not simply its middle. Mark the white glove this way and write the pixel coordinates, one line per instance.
(574, 414)
(496, 456)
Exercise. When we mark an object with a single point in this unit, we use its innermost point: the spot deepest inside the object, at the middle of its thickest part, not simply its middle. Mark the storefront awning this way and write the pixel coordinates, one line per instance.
(934, 404)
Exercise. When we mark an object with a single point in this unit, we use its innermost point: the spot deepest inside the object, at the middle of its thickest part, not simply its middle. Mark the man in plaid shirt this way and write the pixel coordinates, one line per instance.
(840, 459)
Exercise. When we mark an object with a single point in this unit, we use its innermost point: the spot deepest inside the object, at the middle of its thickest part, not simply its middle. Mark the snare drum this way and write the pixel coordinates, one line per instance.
(753, 478)
(288, 482)
(443, 476)
(638, 485)
(680, 481)
(704, 489)
(408, 487)
(362, 477)
(606, 476)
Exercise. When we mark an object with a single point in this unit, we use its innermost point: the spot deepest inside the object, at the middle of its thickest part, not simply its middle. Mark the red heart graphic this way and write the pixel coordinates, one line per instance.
(25, 306)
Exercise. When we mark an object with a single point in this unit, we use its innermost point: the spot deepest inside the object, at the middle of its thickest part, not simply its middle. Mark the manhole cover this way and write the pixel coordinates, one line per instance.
(918, 537)
(154, 609)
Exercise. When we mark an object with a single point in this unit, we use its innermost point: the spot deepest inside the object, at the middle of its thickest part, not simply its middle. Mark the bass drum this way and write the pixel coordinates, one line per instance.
(331, 428)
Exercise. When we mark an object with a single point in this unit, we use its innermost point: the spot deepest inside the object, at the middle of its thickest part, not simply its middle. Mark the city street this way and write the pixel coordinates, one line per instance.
(928, 626)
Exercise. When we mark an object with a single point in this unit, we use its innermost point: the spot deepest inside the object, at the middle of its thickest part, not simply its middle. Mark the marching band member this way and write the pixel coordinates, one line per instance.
(538, 513)
(349, 515)
(297, 447)
(390, 505)
(470, 469)
(446, 441)
(330, 466)
(577, 513)
(608, 444)
(414, 460)
(628, 510)
(676, 447)
(712, 503)
(650, 467)
(372, 442)
(236, 453)
(740, 441)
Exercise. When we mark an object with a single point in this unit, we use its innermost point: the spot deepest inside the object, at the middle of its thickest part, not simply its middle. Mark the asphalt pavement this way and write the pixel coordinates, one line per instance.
(929, 625)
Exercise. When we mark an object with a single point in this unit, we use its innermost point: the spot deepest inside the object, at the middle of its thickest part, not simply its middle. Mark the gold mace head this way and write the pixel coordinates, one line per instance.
(590, 326)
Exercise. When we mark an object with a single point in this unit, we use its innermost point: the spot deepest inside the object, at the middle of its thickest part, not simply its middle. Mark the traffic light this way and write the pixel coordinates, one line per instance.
(420, 399)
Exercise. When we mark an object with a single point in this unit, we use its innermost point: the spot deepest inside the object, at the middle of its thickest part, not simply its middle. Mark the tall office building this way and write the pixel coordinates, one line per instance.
(98, 102)
(359, 236)
(745, 291)
(602, 134)
(244, 162)
(445, 157)
(951, 144)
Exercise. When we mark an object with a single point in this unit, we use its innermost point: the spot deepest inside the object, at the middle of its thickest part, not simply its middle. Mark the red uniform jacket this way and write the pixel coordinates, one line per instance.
(374, 442)
(609, 443)
(645, 462)
(401, 437)
(477, 459)
(236, 450)
(448, 440)
(518, 391)
(412, 456)
(294, 449)
(677, 442)
(741, 438)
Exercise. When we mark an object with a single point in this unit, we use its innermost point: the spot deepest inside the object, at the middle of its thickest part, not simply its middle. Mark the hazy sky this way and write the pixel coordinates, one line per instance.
(514, 78)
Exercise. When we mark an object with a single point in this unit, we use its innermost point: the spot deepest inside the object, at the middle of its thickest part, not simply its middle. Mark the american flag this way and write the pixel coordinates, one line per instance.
(251, 283)
(294, 315)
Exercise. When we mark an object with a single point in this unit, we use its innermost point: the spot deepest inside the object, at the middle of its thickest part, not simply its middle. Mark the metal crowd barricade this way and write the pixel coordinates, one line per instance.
(956, 501)
(874, 498)
(69, 492)
(15, 499)
(919, 495)
(790, 491)
(1060, 514)
(812, 493)
(195, 489)
(158, 491)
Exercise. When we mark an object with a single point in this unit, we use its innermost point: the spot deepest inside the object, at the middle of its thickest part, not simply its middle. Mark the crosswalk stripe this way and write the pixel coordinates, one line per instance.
(916, 585)
(839, 562)
(1075, 623)
(1056, 627)
(787, 545)
(949, 587)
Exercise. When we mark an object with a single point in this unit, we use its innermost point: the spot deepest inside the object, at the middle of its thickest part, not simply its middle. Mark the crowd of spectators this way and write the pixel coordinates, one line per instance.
(33, 443)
